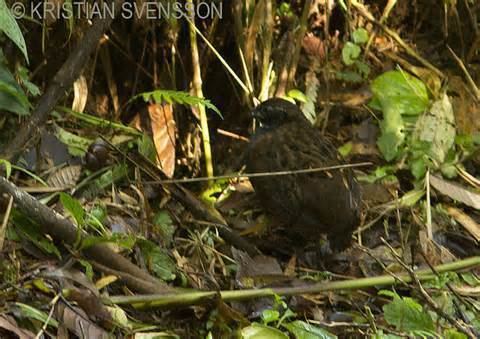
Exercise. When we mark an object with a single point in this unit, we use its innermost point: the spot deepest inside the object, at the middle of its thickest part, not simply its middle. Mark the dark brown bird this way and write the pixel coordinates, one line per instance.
(310, 204)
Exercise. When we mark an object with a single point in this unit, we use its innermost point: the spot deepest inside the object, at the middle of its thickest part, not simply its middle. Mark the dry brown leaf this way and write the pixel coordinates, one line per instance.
(456, 192)
(163, 128)
(76, 320)
(164, 135)
(65, 177)
(466, 221)
(80, 91)
(9, 324)
(436, 254)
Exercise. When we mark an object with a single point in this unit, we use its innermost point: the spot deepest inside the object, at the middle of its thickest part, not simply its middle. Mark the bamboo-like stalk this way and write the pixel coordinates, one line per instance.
(196, 297)
(197, 89)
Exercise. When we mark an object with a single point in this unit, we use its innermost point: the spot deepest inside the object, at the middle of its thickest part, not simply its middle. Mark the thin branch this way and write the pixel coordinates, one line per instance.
(260, 174)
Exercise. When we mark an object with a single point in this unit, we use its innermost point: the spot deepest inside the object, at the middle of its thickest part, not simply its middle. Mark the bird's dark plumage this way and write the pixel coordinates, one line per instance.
(310, 204)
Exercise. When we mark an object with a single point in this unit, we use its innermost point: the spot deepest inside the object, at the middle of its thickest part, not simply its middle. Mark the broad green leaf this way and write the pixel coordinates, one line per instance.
(164, 223)
(269, 316)
(437, 128)
(27, 229)
(12, 97)
(345, 149)
(349, 76)
(362, 68)
(22, 73)
(73, 206)
(360, 36)
(303, 330)
(158, 260)
(407, 315)
(453, 334)
(257, 331)
(77, 146)
(7, 166)
(400, 92)
(109, 177)
(418, 167)
(146, 147)
(350, 52)
(10, 27)
(392, 136)
(297, 95)
(34, 313)
(88, 268)
(381, 335)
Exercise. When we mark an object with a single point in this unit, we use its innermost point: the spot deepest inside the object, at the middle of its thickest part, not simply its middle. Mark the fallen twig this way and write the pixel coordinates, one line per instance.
(196, 297)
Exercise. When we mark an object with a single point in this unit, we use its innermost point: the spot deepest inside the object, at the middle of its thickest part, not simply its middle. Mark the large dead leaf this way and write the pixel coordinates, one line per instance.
(163, 130)
(456, 192)
(466, 221)
(9, 325)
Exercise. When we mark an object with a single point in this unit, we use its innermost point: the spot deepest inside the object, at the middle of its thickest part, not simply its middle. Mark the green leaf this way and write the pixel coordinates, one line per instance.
(158, 260)
(303, 330)
(349, 76)
(10, 27)
(407, 315)
(392, 136)
(12, 97)
(106, 179)
(350, 52)
(453, 334)
(88, 268)
(269, 316)
(400, 92)
(297, 95)
(27, 229)
(437, 128)
(258, 331)
(418, 167)
(396, 93)
(121, 240)
(164, 223)
(8, 167)
(146, 147)
(77, 146)
(73, 207)
(360, 36)
(160, 96)
(345, 149)
(362, 67)
(25, 80)
(33, 313)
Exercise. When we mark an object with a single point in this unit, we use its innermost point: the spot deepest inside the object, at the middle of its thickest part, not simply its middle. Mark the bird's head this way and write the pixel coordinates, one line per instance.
(276, 112)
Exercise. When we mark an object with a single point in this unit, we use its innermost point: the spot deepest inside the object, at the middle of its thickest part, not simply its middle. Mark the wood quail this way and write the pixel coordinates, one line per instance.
(312, 204)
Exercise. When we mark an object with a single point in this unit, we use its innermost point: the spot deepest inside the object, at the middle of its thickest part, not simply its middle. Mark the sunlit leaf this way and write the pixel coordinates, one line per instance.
(360, 35)
(34, 313)
(350, 52)
(303, 330)
(12, 97)
(10, 27)
(400, 92)
(406, 314)
(74, 207)
(158, 260)
(256, 331)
